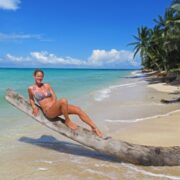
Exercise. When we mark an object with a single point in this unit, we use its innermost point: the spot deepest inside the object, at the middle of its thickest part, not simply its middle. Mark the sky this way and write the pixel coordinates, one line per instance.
(73, 33)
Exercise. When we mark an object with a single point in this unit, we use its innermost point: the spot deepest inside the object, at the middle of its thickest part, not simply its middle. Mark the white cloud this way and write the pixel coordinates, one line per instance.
(101, 57)
(16, 59)
(9, 4)
(46, 58)
(14, 36)
(98, 58)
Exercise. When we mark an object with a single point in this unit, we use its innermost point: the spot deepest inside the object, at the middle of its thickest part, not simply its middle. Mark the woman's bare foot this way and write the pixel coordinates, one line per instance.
(98, 132)
(70, 124)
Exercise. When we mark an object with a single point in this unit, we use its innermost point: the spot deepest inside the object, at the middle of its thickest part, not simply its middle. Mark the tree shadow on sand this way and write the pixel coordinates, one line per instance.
(50, 142)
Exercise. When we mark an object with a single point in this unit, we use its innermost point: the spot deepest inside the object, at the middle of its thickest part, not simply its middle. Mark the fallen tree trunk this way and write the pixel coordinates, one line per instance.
(170, 101)
(126, 152)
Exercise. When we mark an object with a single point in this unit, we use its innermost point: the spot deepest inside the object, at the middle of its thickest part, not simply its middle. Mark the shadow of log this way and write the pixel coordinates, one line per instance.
(50, 142)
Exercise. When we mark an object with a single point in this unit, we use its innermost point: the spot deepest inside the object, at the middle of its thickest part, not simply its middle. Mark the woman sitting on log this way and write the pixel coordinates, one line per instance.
(53, 107)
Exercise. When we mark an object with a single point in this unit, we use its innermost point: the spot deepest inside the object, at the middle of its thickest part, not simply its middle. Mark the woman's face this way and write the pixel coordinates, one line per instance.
(38, 77)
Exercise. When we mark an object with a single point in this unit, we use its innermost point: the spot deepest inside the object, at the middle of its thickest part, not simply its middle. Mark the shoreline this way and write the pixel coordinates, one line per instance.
(159, 130)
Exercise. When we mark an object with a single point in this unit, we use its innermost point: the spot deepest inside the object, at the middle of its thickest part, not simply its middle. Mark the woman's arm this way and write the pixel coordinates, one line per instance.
(35, 109)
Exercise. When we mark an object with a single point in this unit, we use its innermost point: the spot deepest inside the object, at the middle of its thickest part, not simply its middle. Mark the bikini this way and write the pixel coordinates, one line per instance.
(40, 96)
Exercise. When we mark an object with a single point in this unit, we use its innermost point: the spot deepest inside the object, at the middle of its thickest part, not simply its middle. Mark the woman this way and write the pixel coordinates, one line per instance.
(53, 107)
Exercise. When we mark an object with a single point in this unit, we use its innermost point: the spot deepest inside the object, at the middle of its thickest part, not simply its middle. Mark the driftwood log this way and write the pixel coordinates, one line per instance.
(170, 101)
(123, 151)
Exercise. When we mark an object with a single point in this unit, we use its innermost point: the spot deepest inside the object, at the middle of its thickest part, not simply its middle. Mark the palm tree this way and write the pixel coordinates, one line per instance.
(176, 5)
(141, 43)
(172, 43)
(147, 45)
(159, 47)
(156, 50)
(165, 26)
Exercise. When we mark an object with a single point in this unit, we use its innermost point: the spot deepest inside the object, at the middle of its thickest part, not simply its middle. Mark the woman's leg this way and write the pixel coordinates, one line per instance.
(60, 108)
(84, 117)
(63, 104)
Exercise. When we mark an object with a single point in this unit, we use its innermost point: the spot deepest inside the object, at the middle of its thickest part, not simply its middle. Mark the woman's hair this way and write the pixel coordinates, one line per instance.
(38, 70)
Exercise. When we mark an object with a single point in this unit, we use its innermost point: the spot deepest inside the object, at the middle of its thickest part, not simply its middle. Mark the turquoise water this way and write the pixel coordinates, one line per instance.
(72, 84)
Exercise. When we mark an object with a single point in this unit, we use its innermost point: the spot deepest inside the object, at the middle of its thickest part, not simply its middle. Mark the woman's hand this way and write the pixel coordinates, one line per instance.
(35, 111)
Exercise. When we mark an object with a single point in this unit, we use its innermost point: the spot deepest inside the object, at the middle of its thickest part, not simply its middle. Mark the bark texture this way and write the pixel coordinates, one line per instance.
(124, 151)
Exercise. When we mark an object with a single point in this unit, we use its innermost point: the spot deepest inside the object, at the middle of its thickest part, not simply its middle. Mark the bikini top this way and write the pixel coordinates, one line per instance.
(39, 96)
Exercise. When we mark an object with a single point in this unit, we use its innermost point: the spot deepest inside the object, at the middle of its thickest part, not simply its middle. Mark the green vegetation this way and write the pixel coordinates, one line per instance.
(159, 47)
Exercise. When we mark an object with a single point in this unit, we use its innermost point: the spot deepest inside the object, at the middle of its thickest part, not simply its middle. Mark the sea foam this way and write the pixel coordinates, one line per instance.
(42, 169)
(141, 119)
(134, 168)
(105, 93)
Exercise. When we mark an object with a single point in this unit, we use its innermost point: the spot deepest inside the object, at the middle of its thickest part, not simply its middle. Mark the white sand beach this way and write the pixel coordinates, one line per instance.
(164, 87)
(162, 130)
